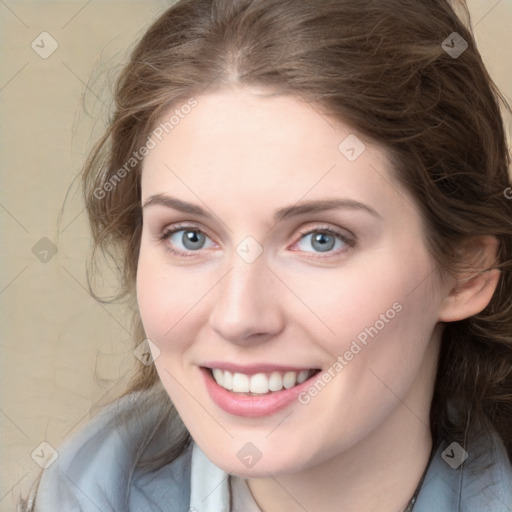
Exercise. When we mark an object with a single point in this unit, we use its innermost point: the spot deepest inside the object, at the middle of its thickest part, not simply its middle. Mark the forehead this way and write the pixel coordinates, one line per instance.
(245, 148)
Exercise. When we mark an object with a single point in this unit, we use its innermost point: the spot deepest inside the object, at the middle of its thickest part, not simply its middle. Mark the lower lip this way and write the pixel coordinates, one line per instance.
(252, 406)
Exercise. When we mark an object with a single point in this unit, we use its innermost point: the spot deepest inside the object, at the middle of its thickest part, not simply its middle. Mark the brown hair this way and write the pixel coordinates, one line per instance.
(382, 68)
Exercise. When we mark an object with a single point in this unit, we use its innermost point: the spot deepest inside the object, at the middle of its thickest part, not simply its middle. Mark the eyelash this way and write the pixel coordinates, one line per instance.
(171, 230)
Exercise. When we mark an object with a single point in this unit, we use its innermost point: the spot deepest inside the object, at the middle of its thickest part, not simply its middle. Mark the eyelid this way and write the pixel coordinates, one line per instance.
(341, 232)
(170, 229)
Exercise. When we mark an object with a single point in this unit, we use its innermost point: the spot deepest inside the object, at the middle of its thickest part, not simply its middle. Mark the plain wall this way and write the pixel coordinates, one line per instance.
(62, 352)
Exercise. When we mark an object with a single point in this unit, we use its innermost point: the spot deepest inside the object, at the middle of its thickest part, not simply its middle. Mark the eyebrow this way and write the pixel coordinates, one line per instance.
(311, 206)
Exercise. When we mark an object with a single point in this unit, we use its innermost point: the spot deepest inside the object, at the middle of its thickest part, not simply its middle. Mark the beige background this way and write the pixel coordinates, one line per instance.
(62, 353)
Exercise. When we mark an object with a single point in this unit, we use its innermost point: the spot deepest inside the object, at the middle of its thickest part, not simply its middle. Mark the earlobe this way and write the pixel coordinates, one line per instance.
(473, 290)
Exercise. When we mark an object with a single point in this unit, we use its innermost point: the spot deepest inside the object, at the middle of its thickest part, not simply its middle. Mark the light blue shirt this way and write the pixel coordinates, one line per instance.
(94, 473)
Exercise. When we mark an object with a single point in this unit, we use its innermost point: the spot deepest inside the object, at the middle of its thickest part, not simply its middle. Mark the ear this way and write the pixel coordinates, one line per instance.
(473, 289)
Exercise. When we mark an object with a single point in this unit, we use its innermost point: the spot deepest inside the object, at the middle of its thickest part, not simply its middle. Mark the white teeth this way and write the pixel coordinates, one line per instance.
(302, 376)
(219, 376)
(240, 383)
(259, 383)
(289, 379)
(228, 380)
(275, 383)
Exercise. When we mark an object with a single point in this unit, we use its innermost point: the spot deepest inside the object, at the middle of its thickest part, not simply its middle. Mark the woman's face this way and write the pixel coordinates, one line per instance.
(269, 284)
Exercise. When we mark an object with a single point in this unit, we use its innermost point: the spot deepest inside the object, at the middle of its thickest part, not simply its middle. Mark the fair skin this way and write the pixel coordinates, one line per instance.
(362, 443)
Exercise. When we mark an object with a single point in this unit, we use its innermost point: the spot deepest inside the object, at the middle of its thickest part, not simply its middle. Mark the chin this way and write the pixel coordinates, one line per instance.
(258, 470)
(272, 462)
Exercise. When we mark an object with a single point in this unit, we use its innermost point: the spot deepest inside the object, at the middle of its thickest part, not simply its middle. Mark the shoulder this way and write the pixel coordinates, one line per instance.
(96, 467)
(476, 480)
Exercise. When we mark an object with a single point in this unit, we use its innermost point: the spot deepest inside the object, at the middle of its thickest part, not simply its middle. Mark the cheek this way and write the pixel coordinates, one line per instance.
(162, 299)
(380, 318)
(173, 306)
(376, 297)
(149, 298)
(162, 304)
(383, 338)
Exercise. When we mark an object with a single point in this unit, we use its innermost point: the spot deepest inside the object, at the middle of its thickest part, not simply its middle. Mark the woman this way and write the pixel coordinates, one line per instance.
(309, 200)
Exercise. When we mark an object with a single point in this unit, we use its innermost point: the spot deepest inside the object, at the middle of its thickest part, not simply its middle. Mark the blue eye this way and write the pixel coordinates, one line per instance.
(192, 240)
(325, 240)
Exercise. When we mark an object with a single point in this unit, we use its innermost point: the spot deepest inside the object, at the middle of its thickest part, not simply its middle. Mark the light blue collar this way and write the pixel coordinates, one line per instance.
(482, 483)
(209, 485)
(96, 471)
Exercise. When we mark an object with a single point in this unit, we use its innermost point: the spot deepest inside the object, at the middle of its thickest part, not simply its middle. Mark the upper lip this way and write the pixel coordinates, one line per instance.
(254, 368)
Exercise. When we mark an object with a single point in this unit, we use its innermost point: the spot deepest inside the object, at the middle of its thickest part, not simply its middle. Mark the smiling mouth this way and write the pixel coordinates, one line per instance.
(263, 383)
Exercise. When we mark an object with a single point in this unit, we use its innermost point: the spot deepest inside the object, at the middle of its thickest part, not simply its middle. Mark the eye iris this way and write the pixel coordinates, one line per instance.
(321, 239)
(194, 238)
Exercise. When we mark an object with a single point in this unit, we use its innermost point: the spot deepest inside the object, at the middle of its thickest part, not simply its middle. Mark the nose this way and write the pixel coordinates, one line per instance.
(247, 308)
